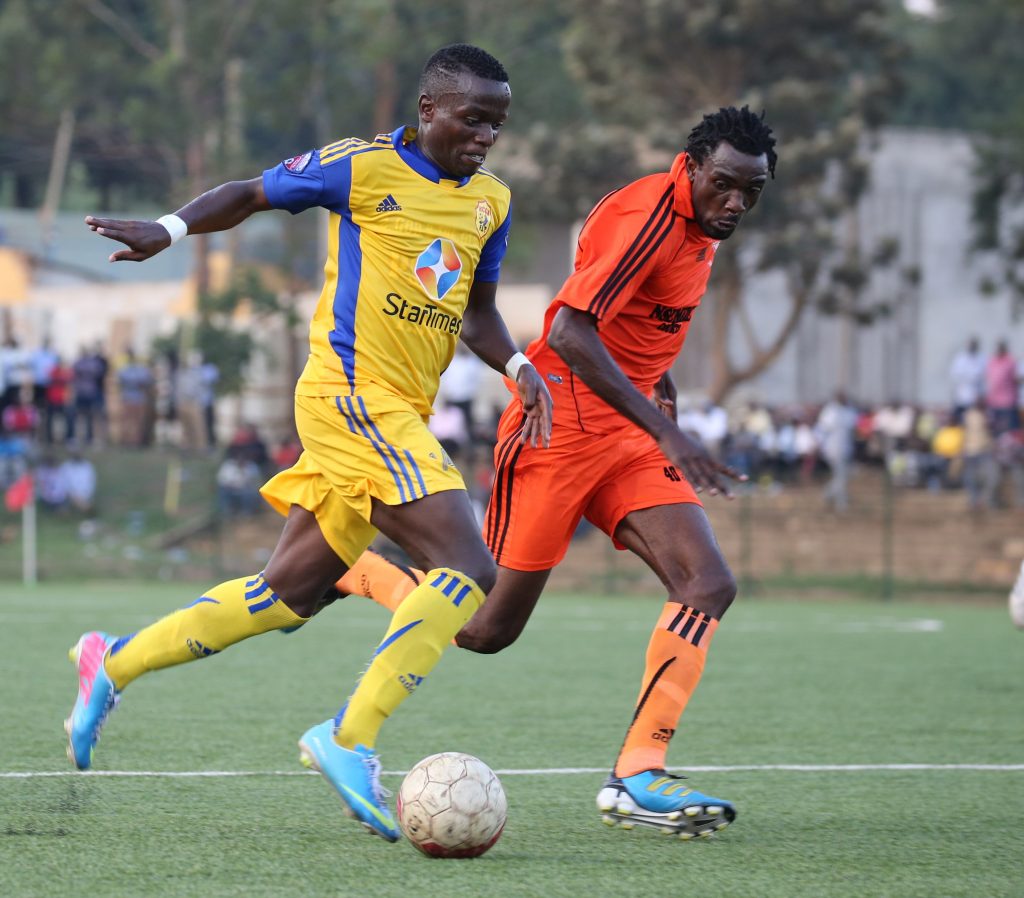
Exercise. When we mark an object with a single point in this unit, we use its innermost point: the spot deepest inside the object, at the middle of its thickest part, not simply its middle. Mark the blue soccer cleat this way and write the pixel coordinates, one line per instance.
(661, 801)
(97, 697)
(354, 773)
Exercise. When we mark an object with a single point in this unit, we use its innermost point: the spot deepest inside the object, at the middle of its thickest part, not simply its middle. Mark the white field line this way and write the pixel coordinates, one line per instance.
(538, 771)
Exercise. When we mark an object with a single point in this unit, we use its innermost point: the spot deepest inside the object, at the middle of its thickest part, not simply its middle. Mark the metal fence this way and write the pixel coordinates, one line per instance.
(157, 517)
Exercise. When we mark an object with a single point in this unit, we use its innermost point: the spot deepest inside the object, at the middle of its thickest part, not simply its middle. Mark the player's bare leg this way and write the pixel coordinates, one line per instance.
(677, 543)
(501, 619)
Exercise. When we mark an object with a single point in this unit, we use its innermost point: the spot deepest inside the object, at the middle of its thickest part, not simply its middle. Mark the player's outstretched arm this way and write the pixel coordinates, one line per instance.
(484, 332)
(574, 337)
(216, 210)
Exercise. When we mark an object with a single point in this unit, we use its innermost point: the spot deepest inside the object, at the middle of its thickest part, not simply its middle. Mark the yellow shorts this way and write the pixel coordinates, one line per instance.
(370, 445)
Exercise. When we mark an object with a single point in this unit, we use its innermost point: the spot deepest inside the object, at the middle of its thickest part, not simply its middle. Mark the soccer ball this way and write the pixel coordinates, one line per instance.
(452, 805)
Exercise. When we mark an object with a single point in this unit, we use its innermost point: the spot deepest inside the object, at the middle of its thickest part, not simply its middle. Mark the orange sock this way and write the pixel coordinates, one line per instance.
(675, 661)
(375, 577)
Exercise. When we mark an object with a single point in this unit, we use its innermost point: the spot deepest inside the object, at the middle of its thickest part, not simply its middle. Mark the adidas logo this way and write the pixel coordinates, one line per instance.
(389, 204)
(410, 681)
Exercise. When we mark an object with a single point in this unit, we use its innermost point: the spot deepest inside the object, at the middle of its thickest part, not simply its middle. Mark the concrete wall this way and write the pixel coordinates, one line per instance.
(920, 193)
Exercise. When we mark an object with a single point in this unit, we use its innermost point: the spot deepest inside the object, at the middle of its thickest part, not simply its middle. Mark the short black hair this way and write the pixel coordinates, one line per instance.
(449, 62)
(740, 128)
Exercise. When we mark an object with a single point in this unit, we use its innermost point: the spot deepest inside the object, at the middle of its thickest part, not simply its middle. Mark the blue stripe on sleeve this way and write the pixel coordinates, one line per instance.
(488, 269)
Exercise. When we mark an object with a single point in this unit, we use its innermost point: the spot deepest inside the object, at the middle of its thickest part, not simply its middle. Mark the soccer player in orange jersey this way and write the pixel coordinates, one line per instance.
(617, 456)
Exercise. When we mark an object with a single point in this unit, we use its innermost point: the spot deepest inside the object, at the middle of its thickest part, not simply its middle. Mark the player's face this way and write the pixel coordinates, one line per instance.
(459, 127)
(726, 186)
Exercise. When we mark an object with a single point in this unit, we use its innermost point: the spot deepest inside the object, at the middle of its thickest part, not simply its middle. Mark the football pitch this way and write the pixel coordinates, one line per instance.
(871, 749)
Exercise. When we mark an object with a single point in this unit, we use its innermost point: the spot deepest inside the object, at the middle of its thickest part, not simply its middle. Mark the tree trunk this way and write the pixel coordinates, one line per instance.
(55, 181)
(234, 138)
(725, 376)
(385, 100)
(728, 285)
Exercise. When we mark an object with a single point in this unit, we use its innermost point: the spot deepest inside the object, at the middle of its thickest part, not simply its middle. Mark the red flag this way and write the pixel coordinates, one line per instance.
(19, 493)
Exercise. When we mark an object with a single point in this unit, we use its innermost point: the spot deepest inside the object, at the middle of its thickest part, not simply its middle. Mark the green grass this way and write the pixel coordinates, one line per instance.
(787, 683)
(124, 536)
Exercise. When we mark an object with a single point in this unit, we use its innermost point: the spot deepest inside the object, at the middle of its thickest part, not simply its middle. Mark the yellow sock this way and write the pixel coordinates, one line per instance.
(375, 577)
(224, 615)
(421, 629)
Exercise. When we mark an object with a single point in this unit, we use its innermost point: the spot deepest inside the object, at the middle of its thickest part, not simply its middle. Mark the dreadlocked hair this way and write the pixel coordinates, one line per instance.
(740, 128)
(449, 62)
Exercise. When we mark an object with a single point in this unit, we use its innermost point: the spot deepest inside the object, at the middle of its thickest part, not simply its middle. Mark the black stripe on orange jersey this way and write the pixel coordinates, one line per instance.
(627, 264)
(662, 229)
(572, 389)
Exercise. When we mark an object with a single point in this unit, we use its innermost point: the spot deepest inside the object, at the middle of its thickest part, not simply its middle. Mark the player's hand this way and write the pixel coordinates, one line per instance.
(665, 396)
(703, 472)
(536, 400)
(144, 239)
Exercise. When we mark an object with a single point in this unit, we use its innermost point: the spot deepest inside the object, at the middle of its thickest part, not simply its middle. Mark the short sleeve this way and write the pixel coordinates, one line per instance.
(618, 249)
(301, 182)
(488, 270)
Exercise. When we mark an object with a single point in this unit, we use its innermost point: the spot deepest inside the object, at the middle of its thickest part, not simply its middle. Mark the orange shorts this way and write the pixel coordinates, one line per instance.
(539, 495)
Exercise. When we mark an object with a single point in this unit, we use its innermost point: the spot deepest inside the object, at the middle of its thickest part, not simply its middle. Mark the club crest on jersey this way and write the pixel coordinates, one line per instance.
(484, 215)
(438, 268)
(297, 164)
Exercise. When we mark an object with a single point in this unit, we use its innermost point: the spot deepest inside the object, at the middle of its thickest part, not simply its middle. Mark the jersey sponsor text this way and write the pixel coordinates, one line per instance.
(426, 315)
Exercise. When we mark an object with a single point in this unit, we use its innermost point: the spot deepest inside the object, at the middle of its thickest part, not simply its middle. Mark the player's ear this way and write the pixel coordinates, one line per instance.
(691, 168)
(426, 108)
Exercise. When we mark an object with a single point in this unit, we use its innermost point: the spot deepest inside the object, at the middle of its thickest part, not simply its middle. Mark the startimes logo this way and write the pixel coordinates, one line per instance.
(427, 315)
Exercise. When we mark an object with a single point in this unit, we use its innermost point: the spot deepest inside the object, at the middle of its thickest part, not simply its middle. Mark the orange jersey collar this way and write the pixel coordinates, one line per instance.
(684, 197)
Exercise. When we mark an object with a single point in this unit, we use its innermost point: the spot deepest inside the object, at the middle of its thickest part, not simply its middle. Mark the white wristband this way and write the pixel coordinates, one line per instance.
(513, 365)
(174, 226)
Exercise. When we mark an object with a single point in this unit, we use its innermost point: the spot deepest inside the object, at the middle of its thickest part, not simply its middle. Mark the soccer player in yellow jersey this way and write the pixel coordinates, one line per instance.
(417, 233)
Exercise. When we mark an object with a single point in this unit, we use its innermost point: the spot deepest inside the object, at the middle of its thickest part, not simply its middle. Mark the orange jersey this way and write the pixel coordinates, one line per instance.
(641, 267)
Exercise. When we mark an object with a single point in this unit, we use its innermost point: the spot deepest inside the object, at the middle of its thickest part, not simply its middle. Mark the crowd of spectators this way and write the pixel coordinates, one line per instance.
(64, 408)
(929, 448)
(68, 485)
(97, 400)
(55, 411)
(974, 443)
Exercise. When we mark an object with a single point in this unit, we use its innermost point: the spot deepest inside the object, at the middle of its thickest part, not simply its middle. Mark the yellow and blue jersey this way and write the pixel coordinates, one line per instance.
(406, 243)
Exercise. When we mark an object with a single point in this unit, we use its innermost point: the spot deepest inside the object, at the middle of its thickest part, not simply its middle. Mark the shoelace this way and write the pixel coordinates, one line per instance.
(380, 794)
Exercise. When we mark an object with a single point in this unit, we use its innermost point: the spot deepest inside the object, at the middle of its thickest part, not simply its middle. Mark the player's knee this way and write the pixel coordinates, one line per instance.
(712, 591)
(301, 596)
(484, 641)
(719, 591)
(483, 572)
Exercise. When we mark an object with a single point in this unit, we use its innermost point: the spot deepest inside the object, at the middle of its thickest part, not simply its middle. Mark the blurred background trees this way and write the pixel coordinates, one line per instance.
(144, 105)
